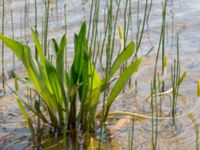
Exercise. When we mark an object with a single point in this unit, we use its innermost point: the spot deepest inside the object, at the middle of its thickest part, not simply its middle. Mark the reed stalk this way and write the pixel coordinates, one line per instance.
(13, 36)
(36, 26)
(46, 26)
(163, 40)
(2, 53)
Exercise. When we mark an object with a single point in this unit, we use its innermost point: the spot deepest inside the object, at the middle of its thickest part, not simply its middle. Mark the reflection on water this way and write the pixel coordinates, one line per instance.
(183, 17)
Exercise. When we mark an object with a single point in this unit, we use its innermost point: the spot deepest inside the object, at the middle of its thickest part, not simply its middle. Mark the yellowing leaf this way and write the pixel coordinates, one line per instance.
(120, 32)
(198, 88)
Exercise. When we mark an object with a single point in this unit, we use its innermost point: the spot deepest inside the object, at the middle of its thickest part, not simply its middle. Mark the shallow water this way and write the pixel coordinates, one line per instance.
(183, 17)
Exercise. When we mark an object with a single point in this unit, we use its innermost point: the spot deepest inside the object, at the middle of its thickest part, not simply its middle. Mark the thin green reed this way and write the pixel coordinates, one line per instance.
(138, 23)
(127, 20)
(65, 16)
(106, 25)
(114, 32)
(163, 40)
(46, 25)
(131, 136)
(140, 29)
(154, 114)
(109, 25)
(96, 35)
(150, 7)
(160, 97)
(172, 24)
(65, 116)
(148, 29)
(175, 77)
(90, 22)
(13, 36)
(140, 36)
(26, 12)
(197, 135)
(42, 32)
(3, 65)
(95, 20)
(21, 26)
(109, 39)
(36, 24)
(57, 12)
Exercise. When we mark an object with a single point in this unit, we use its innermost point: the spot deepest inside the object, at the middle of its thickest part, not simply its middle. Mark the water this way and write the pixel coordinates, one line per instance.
(183, 17)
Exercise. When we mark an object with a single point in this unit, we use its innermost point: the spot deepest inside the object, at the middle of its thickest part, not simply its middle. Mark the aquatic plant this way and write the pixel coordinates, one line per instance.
(62, 91)
(2, 53)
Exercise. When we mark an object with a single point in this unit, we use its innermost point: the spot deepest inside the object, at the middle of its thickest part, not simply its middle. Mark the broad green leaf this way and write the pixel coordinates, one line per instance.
(119, 85)
(29, 68)
(33, 69)
(94, 79)
(39, 47)
(15, 46)
(60, 60)
(80, 46)
(60, 69)
(53, 79)
(49, 99)
(63, 43)
(94, 100)
(55, 47)
(123, 57)
(94, 88)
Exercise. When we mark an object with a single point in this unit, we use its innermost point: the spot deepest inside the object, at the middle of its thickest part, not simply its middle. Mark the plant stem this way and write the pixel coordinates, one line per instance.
(3, 65)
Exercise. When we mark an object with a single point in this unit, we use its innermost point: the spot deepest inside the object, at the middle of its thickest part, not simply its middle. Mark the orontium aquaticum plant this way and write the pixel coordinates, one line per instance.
(60, 90)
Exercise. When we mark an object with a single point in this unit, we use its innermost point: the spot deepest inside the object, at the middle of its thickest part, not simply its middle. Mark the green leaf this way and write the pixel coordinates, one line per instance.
(182, 77)
(53, 79)
(39, 47)
(94, 79)
(60, 60)
(119, 85)
(60, 69)
(123, 57)
(33, 69)
(80, 47)
(63, 43)
(55, 47)
(15, 46)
